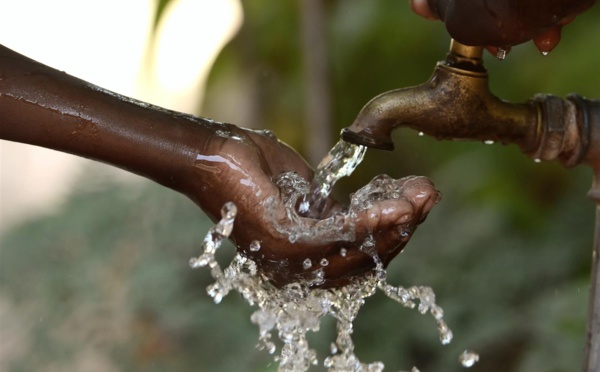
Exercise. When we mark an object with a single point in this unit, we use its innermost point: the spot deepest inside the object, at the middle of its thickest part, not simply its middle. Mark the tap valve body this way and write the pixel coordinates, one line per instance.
(456, 103)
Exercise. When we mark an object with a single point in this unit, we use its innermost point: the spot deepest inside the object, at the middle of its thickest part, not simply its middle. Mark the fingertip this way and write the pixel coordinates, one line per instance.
(391, 212)
(422, 8)
(547, 41)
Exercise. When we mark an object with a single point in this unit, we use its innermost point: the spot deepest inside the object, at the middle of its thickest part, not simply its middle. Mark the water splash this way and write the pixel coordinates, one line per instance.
(468, 358)
(296, 309)
(292, 187)
(255, 246)
(340, 162)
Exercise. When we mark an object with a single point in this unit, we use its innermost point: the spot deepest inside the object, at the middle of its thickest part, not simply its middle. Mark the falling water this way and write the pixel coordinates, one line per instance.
(292, 311)
(305, 307)
(340, 162)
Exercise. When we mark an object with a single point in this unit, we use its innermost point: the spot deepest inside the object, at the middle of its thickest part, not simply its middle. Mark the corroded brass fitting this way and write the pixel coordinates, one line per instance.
(456, 103)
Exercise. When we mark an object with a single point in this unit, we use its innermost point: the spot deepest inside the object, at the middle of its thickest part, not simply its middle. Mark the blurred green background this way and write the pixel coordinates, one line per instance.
(104, 284)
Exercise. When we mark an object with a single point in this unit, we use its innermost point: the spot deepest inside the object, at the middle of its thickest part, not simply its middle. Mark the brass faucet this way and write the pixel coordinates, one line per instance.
(456, 103)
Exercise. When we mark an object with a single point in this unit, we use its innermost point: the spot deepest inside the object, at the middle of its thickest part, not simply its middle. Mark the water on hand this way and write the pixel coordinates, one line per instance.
(305, 306)
(292, 311)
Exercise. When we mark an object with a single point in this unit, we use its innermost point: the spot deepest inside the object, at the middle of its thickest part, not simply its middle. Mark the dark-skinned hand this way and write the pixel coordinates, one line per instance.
(503, 23)
(244, 166)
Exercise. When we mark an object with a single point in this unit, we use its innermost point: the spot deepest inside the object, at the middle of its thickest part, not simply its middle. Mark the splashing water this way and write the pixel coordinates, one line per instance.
(297, 308)
(340, 162)
(468, 358)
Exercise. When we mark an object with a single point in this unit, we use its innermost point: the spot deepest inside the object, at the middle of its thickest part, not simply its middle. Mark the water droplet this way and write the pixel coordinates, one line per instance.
(536, 160)
(333, 348)
(324, 262)
(488, 142)
(216, 291)
(445, 333)
(268, 133)
(304, 207)
(343, 252)
(501, 54)
(468, 358)
(437, 312)
(293, 238)
(421, 134)
(307, 264)
(228, 211)
(368, 245)
(319, 276)
(545, 53)
(255, 246)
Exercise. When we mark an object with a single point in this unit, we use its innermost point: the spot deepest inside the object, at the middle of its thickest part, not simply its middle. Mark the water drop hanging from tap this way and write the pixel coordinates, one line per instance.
(501, 54)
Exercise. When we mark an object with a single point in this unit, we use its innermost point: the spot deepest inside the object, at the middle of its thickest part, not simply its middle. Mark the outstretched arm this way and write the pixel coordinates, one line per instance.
(211, 163)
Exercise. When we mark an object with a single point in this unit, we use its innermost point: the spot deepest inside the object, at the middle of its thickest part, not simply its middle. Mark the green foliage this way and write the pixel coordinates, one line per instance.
(106, 278)
(507, 250)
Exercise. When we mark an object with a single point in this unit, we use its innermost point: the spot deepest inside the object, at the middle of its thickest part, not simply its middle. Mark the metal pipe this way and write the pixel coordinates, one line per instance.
(592, 342)
(455, 103)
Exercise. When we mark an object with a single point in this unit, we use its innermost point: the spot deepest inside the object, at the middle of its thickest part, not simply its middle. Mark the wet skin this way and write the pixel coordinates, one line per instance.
(503, 23)
(210, 162)
(246, 162)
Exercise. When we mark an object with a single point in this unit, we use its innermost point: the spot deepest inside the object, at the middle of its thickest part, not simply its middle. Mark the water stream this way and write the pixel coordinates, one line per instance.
(295, 309)
(340, 162)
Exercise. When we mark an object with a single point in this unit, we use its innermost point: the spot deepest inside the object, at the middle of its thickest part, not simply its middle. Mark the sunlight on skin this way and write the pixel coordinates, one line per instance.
(107, 43)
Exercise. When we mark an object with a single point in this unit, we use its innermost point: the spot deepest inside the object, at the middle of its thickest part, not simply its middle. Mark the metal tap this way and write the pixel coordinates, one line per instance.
(456, 103)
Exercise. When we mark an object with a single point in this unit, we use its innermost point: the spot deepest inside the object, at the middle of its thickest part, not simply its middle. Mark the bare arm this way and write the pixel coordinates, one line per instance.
(209, 162)
(45, 107)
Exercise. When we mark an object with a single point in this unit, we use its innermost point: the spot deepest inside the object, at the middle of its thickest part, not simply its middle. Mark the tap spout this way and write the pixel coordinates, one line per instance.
(455, 103)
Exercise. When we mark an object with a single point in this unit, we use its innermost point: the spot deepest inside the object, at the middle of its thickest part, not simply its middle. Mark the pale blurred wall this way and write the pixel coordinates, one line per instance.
(108, 43)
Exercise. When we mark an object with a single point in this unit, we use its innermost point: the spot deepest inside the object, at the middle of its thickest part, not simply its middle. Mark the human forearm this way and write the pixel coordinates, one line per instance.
(45, 107)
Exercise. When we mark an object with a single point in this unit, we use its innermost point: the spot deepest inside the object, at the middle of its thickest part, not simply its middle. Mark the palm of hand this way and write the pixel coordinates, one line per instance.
(247, 165)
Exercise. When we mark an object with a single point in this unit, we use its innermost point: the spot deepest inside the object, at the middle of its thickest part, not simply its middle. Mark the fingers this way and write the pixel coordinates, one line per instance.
(414, 198)
(503, 24)
(422, 194)
(422, 8)
(385, 210)
(548, 40)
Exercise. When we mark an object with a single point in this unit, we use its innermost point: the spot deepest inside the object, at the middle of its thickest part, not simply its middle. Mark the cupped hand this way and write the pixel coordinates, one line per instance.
(503, 23)
(245, 167)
